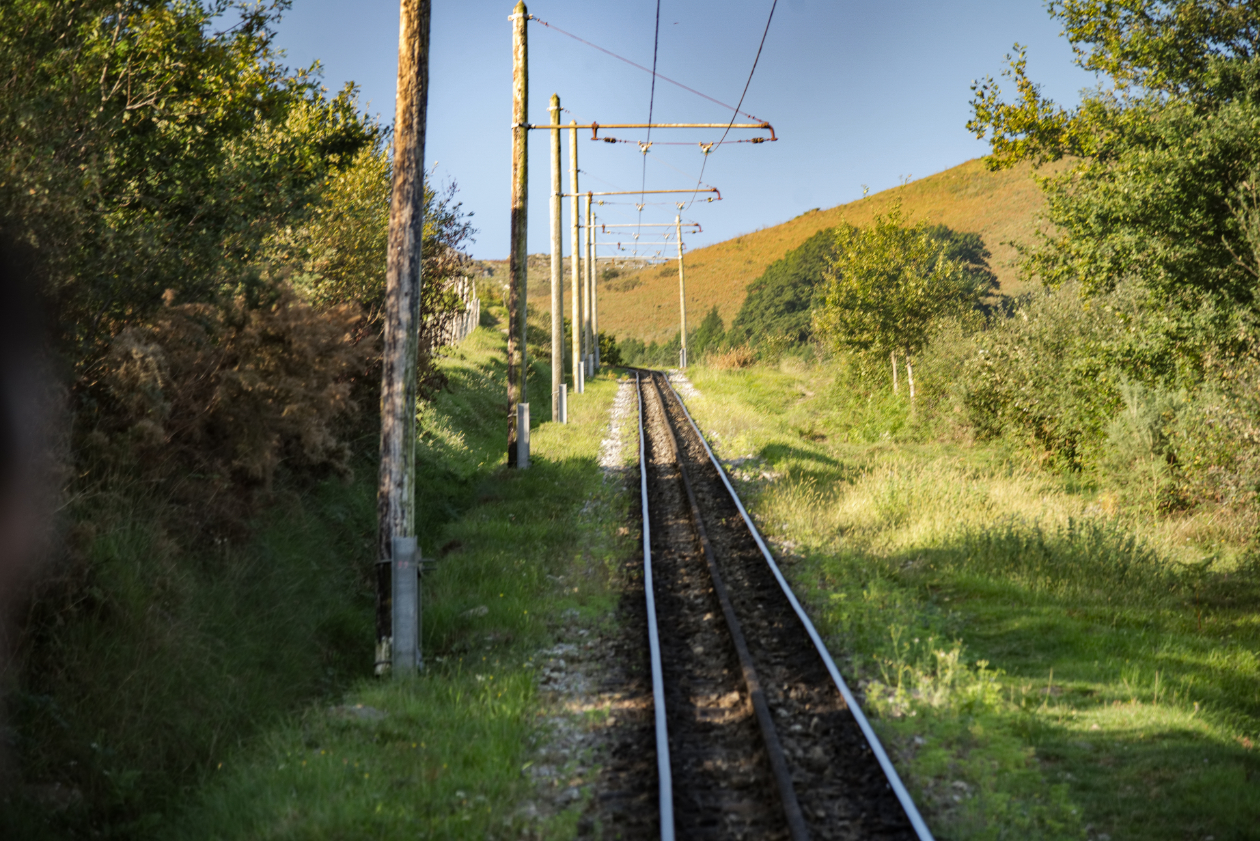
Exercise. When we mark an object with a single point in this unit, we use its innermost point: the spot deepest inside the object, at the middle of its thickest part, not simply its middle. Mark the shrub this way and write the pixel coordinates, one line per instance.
(211, 399)
(1137, 452)
(736, 357)
(1214, 440)
(1051, 372)
(609, 353)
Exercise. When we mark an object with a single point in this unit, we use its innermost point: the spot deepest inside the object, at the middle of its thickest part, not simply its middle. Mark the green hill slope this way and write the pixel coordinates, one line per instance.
(1000, 206)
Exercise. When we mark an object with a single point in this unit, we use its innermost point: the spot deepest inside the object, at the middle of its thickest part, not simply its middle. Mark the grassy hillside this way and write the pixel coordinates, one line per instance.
(998, 205)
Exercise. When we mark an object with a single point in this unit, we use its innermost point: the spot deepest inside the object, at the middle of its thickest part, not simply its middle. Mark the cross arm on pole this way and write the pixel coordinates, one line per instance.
(642, 192)
(695, 225)
(595, 127)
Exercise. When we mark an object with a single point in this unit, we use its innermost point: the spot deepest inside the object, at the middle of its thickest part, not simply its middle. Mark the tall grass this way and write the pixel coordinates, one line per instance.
(1046, 660)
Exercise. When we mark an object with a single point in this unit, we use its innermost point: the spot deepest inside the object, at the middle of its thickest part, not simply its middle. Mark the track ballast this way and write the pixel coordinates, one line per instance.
(759, 737)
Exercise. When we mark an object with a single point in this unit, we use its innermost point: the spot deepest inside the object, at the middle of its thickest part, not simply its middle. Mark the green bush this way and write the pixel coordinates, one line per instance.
(1051, 372)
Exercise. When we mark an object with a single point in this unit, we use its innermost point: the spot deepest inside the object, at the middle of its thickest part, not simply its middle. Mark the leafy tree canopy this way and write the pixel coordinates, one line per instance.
(888, 283)
(781, 303)
(1164, 150)
(142, 150)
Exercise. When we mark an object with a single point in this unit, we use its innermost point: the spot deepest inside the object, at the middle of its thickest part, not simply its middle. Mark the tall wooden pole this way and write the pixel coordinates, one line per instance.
(557, 266)
(575, 249)
(588, 358)
(682, 294)
(594, 291)
(395, 500)
(518, 258)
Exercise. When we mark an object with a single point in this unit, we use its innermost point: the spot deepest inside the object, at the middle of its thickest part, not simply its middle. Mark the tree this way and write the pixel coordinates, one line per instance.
(708, 335)
(144, 151)
(1159, 155)
(780, 304)
(888, 283)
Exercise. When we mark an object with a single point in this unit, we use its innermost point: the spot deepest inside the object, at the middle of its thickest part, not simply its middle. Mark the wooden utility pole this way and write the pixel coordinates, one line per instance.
(594, 291)
(589, 357)
(575, 249)
(557, 267)
(518, 257)
(395, 499)
(682, 294)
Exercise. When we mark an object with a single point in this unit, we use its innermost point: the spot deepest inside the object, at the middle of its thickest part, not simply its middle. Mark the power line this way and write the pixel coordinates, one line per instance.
(705, 147)
(656, 41)
(736, 110)
(640, 66)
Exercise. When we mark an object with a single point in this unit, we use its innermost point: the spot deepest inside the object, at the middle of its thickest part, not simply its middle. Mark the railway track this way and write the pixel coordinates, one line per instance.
(756, 734)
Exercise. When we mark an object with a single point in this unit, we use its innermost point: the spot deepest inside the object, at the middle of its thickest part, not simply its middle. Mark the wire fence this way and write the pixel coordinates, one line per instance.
(449, 328)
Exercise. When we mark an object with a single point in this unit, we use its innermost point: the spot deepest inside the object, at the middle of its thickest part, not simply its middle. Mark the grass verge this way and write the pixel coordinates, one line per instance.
(443, 755)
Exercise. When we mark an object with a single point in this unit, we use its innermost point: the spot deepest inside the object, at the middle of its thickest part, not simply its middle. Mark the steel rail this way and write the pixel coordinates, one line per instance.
(664, 776)
(774, 748)
(894, 780)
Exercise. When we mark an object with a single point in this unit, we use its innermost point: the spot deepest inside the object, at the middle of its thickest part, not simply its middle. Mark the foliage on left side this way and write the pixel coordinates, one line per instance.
(209, 231)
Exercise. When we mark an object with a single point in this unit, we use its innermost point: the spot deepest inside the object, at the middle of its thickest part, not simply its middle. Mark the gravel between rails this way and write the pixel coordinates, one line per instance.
(841, 787)
(723, 786)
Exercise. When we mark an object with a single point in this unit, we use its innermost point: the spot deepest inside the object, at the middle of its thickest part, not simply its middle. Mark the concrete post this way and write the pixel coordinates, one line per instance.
(518, 257)
(575, 260)
(557, 268)
(522, 436)
(406, 613)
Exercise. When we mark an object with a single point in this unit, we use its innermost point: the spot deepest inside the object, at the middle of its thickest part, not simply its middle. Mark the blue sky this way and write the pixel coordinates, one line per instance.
(858, 92)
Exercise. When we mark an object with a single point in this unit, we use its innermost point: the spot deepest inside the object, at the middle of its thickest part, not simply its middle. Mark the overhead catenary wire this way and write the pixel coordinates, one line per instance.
(647, 144)
(705, 147)
(736, 110)
(655, 75)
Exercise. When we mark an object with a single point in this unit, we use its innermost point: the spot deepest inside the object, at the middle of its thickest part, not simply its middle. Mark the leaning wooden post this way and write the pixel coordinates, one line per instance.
(575, 250)
(395, 496)
(682, 295)
(518, 258)
(557, 267)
